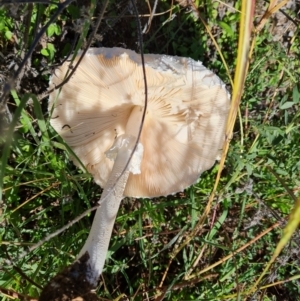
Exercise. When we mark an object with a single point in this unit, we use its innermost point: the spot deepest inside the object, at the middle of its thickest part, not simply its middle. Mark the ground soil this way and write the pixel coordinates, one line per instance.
(70, 284)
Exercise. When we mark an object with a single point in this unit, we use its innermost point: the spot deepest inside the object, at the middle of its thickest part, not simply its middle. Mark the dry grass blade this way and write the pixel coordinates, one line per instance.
(235, 252)
(273, 8)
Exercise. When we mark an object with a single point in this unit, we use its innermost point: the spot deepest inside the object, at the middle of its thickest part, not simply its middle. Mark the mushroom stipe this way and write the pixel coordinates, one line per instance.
(99, 114)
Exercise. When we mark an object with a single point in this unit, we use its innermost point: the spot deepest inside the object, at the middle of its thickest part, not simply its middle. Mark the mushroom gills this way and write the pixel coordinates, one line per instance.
(98, 240)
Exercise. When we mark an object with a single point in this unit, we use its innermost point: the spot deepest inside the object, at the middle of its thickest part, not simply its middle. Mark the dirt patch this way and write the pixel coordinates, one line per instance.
(282, 26)
(70, 284)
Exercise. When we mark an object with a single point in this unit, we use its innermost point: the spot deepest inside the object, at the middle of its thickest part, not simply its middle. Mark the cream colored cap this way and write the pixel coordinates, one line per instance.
(185, 122)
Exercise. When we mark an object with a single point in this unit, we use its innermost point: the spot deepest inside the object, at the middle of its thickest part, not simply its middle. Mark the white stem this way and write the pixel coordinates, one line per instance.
(98, 240)
(100, 233)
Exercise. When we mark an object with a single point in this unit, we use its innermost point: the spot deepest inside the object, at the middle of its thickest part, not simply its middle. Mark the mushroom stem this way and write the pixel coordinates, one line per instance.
(98, 240)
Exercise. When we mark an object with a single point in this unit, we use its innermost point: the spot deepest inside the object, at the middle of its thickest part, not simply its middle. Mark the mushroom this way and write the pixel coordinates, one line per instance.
(98, 113)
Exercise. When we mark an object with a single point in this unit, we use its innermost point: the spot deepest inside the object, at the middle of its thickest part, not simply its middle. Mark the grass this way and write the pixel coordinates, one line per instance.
(158, 248)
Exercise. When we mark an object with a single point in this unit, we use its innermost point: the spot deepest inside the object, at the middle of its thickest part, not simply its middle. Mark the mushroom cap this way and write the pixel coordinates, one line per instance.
(184, 128)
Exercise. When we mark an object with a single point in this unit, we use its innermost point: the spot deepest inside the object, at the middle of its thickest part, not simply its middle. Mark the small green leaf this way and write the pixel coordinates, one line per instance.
(26, 148)
(286, 105)
(50, 47)
(45, 52)
(296, 96)
(51, 30)
(51, 50)
(57, 30)
(2, 25)
(8, 35)
(226, 28)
